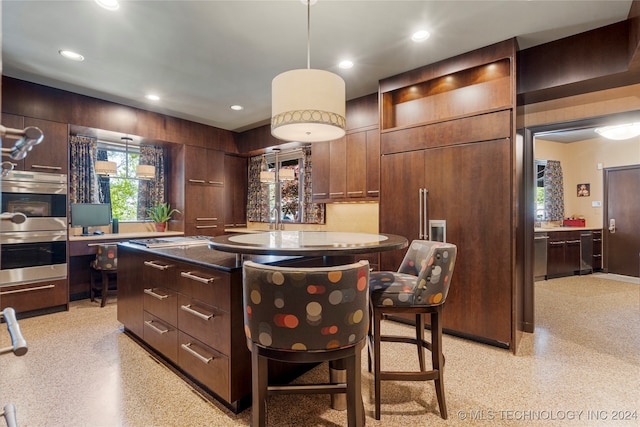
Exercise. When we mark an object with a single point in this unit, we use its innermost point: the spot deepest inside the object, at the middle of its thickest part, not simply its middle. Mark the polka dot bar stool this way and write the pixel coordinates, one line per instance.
(306, 315)
(106, 266)
(419, 287)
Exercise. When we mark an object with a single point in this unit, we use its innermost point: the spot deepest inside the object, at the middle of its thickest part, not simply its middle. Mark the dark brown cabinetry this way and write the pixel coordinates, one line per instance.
(597, 250)
(51, 155)
(189, 314)
(347, 168)
(35, 296)
(235, 191)
(204, 193)
(563, 253)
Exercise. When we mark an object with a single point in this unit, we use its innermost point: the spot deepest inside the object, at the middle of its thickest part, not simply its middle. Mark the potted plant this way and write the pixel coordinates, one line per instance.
(160, 214)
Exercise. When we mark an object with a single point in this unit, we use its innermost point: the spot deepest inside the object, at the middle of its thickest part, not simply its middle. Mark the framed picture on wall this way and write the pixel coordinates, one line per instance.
(584, 190)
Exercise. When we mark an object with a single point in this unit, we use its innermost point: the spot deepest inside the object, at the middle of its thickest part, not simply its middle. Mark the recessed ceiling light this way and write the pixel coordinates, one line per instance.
(420, 36)
(153, 97)
(237, 107)
(71, 55)
(109, 4)
(346, 64)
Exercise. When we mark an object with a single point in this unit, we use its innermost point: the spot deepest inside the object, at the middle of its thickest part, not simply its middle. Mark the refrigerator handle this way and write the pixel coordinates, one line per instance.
(426, 215)
(421, 220)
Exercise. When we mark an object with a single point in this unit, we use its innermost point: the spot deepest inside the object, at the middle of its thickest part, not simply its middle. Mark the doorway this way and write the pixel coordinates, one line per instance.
(526, 301)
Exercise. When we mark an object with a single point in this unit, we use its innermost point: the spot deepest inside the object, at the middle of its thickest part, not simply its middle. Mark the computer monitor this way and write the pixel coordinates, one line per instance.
(87, 215)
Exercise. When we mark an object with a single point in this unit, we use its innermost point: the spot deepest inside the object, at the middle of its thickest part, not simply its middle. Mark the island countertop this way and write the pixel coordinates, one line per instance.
(204, 256)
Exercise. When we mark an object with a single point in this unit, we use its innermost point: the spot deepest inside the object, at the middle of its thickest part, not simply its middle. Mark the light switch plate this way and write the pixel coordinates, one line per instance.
(596, 204)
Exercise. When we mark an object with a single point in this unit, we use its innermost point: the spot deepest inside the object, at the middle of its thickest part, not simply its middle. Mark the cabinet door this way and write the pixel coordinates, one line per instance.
(214, 167)
(373, 163)
(195, 160)
(235, 190)
(356, 165)
(402, 176)
(204, 210)
(130, 290)
(338, 169)
(597, 250)
(555, 254)
(320, 162)
(572, 252)
(15, 122)
(52, 154)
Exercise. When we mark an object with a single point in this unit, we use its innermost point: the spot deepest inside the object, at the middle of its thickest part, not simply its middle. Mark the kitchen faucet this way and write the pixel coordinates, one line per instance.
(277, 220)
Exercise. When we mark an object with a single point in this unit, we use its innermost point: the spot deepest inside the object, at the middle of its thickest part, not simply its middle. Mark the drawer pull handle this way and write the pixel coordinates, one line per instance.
(206, 219)
(188, 309)
(190, 275)
(355, 192)
(373, 191)
(573, 241)
(197, 181)
(557, 243)
(206, 226)
(19, 291)
(150, 324)
(153, 294)
(319, 194)
(188, 348)
(216, 182)
(339, 193)
(157, 266)
(53, 168)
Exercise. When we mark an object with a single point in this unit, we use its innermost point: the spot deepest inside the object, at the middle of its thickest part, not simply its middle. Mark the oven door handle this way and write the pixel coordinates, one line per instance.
(16, 218)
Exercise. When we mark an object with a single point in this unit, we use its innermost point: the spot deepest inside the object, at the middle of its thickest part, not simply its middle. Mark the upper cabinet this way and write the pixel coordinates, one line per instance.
(235, 191)
(51, 155)
(347, 168)
(204, 166)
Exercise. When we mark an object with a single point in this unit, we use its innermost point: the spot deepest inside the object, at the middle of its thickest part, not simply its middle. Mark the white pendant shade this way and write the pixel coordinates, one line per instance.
(145, 172)
(267, 176)
(105, 168)
(308, 106)
(286, 174)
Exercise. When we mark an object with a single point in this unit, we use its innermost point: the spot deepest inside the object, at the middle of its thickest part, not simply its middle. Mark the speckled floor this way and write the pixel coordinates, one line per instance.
(581, 368)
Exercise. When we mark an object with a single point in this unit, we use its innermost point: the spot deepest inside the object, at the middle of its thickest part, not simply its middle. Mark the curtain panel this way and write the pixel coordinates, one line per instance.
(553, 191)
(151, 191)
(83, 181)
(103, 181)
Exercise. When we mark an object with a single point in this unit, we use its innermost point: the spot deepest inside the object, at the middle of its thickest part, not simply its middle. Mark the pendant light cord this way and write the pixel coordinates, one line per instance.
(308, 34)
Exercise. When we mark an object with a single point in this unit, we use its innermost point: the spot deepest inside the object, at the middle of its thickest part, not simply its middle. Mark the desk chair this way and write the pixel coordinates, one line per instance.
(419, 287)
(306, 315)
(106, 266)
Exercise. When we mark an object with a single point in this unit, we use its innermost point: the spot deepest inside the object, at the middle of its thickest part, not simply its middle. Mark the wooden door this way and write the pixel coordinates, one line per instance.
(470, 188)
(622, 205)
(402, 176)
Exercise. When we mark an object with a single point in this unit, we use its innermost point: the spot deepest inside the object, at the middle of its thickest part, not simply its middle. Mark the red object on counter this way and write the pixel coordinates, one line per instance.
(574, 223)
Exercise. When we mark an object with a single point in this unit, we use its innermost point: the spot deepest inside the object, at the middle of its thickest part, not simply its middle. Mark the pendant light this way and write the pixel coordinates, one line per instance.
(266, 176)
(308, 105)
(105, 168)
(144, 172)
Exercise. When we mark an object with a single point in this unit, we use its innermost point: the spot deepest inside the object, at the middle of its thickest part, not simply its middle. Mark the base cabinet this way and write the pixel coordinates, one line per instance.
(191, 315)
(35, 296)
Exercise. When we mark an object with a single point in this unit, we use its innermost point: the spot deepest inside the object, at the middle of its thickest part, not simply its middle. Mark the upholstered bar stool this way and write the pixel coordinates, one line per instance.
(306, 315)
(419, 287)
(106, 266)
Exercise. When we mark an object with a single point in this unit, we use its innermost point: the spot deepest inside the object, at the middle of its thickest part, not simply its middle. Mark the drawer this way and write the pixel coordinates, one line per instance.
(158, 273)
(161, 336)
(204, 364)
(204, 322)
(87, 247)
(207, 285)
(34, 296)
(163, 303)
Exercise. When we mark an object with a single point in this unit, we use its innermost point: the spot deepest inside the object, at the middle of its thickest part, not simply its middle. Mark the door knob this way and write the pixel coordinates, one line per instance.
(612, 225)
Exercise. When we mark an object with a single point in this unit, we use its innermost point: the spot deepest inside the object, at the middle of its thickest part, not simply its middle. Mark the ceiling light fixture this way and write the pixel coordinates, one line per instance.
(620, 132)
(152, 97)
(346, 64)
(420, 36)
(71, 55)
(308, 105)
(109, 4)
(237, 107)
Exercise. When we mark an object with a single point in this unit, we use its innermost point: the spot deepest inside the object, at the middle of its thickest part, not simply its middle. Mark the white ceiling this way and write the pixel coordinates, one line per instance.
(203, 56)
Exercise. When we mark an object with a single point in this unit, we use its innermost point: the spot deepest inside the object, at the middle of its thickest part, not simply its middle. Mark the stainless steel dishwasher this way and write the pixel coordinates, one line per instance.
(540, 253)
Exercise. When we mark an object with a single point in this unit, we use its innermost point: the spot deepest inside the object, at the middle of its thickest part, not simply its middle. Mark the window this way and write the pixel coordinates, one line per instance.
(287, 200)
(123, 187)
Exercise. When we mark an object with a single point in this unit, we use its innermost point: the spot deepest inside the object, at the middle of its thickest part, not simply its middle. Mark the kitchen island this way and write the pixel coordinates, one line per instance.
(184, 305)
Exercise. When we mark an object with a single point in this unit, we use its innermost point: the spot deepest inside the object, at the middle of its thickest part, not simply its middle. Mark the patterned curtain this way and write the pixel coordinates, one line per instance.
(258, 194)
(553, 191)
(83, 181)
(103, 181)
(151, 191)
(312, 213)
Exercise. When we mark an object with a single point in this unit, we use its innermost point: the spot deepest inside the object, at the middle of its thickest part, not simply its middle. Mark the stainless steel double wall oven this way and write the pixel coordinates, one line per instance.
(34, 246)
